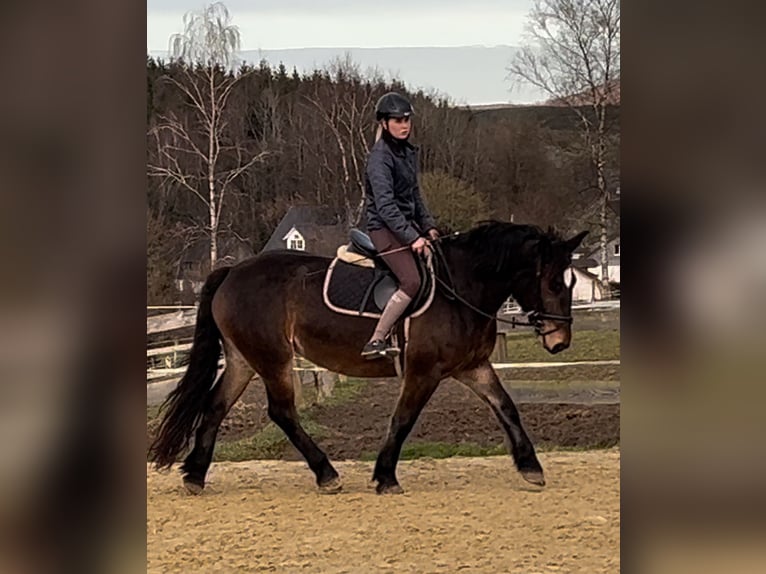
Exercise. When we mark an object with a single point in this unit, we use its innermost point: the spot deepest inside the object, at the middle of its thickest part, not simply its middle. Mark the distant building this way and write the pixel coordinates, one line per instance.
(613, 252)
(587, 287)
(315, 229)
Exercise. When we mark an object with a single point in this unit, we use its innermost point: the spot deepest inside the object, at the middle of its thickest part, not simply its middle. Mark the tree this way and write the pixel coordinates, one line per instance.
(573, 55)
(164, 244)
(345, 103)
(454, 203)
(197, 148)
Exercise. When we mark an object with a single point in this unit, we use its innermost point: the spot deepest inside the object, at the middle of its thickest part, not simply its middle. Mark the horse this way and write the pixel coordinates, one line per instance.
(264, 310)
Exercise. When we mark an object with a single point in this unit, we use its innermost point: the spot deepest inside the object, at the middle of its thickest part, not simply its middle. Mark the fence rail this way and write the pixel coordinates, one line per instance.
(168, 350)
(168, 358)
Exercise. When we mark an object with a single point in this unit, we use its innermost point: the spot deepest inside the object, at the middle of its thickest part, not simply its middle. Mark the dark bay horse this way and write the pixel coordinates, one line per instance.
(265, 309)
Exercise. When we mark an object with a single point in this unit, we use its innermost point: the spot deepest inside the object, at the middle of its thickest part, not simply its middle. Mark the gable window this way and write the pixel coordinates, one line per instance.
(294, 240)
(617, 249)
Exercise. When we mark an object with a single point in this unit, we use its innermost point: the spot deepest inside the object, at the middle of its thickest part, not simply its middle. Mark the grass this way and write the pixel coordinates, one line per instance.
(268, 443)
(593, 345)
(345, 391)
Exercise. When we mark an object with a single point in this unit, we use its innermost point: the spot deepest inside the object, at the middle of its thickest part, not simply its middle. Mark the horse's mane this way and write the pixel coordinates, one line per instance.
(499, 245)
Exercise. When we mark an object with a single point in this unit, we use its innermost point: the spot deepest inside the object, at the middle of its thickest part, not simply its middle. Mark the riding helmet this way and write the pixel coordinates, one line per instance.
(393, 105)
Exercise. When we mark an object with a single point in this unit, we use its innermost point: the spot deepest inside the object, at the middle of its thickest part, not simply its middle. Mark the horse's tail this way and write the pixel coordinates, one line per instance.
(185, 405)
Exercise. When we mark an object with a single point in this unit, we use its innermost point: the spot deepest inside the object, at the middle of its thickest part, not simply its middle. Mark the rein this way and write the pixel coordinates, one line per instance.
(534, 318)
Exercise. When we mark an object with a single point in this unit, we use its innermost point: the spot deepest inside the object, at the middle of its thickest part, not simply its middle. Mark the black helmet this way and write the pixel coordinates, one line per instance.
(393, 105)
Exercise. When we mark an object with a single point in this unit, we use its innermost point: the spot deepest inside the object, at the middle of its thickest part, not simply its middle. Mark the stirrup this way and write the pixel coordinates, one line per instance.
(380, 348)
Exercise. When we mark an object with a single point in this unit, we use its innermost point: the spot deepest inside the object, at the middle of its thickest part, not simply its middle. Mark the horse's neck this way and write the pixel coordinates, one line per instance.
(486, 293)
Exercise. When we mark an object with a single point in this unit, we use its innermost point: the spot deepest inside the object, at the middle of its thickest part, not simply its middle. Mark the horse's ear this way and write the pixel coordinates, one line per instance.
(571, 244)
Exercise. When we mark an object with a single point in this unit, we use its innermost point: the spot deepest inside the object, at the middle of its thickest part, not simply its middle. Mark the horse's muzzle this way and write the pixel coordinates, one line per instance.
(558, 347)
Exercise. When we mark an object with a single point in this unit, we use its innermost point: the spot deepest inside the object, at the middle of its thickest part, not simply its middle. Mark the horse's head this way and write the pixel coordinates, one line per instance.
(545, 289)
(532, 264)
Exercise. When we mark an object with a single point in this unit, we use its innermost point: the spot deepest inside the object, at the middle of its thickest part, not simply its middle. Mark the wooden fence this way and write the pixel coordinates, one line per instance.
(168, 355)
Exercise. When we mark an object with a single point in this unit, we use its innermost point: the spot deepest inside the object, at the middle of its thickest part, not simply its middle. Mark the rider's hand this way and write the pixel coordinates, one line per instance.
(433, 234)
(419, 245)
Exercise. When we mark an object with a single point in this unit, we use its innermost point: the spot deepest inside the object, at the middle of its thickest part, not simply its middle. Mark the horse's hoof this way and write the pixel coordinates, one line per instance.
(534, 477)
(332, 486)
(389, 489)
(194, 488)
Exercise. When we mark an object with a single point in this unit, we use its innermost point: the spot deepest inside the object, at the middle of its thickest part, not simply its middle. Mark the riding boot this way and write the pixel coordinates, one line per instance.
(378, 345)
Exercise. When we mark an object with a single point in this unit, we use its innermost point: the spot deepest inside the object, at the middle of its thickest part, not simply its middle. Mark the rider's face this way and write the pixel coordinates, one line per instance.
(400, 127)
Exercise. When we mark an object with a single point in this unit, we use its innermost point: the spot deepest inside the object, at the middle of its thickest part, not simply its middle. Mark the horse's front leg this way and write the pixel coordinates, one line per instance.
(484, 382)
(416, 390)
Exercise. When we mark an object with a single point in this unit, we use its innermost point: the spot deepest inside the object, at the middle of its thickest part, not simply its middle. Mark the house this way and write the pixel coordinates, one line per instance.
(587, 287)
(613, 259)
(315, 229)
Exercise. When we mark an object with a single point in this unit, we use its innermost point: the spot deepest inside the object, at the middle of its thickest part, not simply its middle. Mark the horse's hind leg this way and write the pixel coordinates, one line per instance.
(233, 382)
(484, 382)
(281, 396)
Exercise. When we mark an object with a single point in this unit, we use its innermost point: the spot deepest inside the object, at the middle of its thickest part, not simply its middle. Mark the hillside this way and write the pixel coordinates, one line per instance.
(467, 74)
(549, 116)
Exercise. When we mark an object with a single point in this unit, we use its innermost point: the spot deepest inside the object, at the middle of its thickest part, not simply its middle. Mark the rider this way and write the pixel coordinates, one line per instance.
(396, 214)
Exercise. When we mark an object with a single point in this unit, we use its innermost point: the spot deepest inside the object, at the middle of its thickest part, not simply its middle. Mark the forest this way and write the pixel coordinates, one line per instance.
(230, 151)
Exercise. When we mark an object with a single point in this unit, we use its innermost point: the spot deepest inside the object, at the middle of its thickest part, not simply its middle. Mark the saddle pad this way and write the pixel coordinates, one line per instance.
(354, 258)
(345, 286)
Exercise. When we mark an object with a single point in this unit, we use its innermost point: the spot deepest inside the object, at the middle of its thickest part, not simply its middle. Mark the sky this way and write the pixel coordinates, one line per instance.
(280, 24)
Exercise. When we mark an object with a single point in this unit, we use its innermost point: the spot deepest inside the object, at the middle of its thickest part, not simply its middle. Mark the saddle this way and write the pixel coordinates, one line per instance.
(358, 281)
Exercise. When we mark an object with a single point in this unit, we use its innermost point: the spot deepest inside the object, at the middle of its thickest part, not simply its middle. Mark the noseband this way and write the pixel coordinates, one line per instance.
(539, 315)
(536, 319)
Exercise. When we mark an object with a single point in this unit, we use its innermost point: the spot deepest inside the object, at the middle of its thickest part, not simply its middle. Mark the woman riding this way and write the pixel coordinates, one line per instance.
(397, 218)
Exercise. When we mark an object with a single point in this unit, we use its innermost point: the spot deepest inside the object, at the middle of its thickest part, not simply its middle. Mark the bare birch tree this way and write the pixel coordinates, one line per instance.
(196, 151)
(573, 55)
(348, 111)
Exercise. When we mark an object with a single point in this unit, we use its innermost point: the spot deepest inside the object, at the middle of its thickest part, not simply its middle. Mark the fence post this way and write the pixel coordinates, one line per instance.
(500, 352)
(325, 384)
(298, 388)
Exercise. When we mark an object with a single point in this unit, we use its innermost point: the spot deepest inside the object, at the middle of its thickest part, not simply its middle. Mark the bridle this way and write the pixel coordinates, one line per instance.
(539, 315)
(535, 318)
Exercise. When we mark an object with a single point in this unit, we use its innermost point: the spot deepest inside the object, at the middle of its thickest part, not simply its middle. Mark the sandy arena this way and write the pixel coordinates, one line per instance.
(457, 514)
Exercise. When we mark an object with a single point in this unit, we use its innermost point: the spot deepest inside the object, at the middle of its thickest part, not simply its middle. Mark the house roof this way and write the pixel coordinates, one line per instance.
(587, 273)
(594, 252)
(583, 263)
(320, 226)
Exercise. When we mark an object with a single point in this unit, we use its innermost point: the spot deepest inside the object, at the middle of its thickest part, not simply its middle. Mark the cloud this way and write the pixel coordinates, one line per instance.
(285, 7)
(449, 25)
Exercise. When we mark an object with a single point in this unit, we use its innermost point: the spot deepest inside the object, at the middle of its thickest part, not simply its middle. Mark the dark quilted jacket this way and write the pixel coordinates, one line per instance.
(392, 194)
